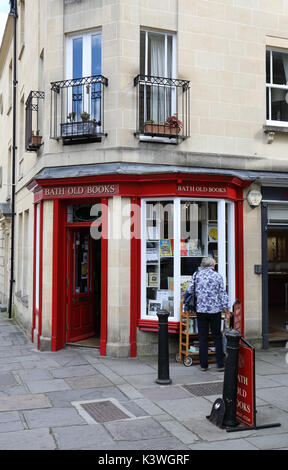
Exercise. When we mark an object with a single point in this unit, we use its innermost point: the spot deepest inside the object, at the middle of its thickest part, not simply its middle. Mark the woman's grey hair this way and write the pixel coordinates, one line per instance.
(208, 262)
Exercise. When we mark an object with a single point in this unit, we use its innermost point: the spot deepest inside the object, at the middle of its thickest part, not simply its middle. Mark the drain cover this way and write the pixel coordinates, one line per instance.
(205, 389)
(101, 411)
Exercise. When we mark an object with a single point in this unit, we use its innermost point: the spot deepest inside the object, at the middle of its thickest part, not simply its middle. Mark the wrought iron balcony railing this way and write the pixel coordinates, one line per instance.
(34, 120)
(77, 109)
(163, 108)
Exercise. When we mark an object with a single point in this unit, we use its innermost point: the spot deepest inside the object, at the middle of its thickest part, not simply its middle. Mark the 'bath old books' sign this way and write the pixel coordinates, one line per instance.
(78, 191)
(245, 409)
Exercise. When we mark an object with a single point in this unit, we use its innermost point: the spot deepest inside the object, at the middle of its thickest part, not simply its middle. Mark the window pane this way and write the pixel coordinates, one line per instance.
(96, 55)
(199, 237)
(279, 105)
(156, 57)
(280, 68)
(142, 52)
(159, 257)
(267, 66)
(80, 262)
(77, 73)
(77, 58)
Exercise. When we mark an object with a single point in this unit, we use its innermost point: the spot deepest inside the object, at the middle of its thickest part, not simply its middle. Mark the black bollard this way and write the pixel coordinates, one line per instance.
(230, 378)
(163, 348)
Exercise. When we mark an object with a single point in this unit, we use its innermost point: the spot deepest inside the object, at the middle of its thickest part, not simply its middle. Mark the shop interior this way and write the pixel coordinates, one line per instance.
(278, 283)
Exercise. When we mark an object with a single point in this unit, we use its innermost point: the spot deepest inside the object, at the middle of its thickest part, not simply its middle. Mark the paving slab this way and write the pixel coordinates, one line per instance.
(35, 439)
(91, 381)
(24, 402)
(136, 429)
(88, 436)
(52, 417)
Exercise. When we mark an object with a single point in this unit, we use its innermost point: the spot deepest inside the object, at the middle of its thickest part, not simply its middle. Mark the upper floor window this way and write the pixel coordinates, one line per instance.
(277, 87)
(84, 58)
(162, 99)
(157, 54)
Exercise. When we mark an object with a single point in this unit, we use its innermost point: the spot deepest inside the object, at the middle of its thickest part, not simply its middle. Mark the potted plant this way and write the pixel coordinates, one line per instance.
(85, 116)
(36, 139)
(71, 116)
(173, 125)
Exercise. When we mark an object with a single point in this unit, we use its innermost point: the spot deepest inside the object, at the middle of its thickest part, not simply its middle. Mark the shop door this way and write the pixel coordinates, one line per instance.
(277, 241)
(81, 297)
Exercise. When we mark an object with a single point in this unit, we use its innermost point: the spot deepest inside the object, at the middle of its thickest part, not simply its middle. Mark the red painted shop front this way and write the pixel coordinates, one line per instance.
(80, 290)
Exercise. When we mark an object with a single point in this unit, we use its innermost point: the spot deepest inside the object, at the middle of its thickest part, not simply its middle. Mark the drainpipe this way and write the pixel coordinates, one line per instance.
(13, 12)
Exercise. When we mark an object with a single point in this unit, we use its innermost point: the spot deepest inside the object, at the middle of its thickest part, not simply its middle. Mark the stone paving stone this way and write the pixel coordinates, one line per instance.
(91, 381)
(149, 407)
(24, 402)
(89, 436)
(141, 381)
(114, 378)
(180, 432)
(32, 375)
(269, 442)
(278, 399)
(7, 380)
(127, 366)
(60, 399)
(35, 439)
(167, 392)
(186, 408)
(52, 417)
(135, 429)
(73, 371)
(168, 443)
(10, 421)
(239, 444)
(42, 386)
(130, 391)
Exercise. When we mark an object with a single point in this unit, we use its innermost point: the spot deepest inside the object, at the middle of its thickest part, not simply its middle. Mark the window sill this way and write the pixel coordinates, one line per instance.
(152, 325)
(275, 128)
(161, 140)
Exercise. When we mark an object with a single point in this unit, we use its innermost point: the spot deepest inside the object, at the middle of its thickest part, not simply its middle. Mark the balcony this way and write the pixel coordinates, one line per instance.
(163, 109)
(77, 110)
(34, 115)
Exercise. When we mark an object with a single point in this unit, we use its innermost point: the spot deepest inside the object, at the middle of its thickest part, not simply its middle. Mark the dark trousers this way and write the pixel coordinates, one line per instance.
(213, 320)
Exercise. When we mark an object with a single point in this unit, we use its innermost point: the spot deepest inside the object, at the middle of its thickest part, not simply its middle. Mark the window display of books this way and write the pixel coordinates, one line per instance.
(190, 247)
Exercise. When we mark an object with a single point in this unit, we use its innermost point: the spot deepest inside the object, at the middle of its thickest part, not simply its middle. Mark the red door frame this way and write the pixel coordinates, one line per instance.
(37, 311)
(70, 294)
(59, 290)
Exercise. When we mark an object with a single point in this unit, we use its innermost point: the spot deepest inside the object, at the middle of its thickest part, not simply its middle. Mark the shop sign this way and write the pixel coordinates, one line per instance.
(87, 190)
(245, 386)
(201, 189)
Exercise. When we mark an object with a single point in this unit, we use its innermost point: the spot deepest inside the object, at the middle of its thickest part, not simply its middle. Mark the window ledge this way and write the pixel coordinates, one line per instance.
(278, 129)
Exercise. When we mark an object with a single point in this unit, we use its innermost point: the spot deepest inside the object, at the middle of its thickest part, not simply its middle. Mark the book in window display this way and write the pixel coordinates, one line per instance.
(213, 234)
(165, 248)
(152, 253)
(194, 247)
(153, 280)
(153, 307)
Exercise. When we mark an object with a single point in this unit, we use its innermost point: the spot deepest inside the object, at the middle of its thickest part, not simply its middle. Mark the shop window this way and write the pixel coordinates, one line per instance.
(277, 87)
(177, 234)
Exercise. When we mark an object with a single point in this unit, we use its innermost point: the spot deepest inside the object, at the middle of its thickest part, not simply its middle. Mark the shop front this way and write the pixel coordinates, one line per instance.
(275, 264)
(169, 222)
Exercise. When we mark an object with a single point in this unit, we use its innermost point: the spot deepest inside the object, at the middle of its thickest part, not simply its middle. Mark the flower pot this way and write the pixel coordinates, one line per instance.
(163, 129)
(36, 140)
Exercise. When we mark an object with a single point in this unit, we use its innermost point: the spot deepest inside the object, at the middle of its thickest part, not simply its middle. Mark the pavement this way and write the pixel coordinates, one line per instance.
(42, 395)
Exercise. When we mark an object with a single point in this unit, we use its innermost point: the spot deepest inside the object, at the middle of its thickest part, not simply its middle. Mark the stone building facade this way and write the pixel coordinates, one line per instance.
(172, 106)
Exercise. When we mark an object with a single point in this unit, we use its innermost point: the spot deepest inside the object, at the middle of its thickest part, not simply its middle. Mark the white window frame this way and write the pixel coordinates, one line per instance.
(224, 207)
(270, 85)
(87, 52)
(86, 59)
(173, 64)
